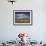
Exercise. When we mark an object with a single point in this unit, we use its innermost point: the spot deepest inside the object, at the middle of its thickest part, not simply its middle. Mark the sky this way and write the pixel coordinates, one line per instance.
(22, 15)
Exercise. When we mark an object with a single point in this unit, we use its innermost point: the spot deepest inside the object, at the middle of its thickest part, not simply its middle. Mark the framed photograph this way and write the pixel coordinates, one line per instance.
(22, 17)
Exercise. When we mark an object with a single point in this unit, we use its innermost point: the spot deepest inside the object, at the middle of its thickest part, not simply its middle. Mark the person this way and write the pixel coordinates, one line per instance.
(4, 44)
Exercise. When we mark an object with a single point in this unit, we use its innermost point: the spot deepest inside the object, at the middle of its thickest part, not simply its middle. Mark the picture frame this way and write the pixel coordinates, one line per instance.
(22, 17)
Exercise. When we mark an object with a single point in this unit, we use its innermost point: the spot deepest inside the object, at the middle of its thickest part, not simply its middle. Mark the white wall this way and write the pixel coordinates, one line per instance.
(38, 30)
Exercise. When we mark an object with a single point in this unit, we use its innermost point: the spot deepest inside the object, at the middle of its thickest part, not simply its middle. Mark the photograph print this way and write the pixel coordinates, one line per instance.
(22, 17)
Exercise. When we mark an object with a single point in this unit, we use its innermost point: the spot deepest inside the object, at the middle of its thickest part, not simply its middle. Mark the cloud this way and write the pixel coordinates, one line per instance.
(18, 16)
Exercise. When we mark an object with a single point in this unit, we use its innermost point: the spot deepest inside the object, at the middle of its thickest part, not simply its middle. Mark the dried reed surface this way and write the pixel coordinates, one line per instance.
(23, 20)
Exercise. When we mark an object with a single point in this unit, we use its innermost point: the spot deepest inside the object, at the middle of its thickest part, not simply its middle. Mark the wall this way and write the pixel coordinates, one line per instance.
(37, 31)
